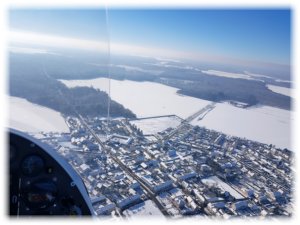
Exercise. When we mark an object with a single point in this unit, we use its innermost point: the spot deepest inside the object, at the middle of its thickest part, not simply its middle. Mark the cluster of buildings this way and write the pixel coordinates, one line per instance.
(194, 171)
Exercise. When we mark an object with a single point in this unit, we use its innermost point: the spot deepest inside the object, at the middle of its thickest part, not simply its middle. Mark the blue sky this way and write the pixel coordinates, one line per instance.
(258, 35)
(76, 23)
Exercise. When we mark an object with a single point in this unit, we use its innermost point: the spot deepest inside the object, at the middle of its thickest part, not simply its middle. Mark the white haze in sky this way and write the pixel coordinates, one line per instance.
(39, 39)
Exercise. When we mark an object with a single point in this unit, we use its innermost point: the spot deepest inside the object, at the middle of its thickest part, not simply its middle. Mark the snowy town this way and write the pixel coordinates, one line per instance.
(166, 167)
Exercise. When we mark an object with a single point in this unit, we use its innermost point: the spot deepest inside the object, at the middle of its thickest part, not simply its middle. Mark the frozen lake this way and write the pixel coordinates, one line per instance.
(264, 124)
(29, 117)
(280, 90)
(229, 74)
(145, 98)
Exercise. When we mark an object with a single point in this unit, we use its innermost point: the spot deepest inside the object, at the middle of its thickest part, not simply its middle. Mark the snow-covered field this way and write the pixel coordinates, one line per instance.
(155, 125)
(264, 124)
(29, 117)
(210, 181)
(247, 76)
(145, 99)
(147, 208)
(280, 90)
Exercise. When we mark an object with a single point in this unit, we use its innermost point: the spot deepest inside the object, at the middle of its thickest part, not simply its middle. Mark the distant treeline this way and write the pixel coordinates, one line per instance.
(214, 88)
(29, 81)
(191, 83)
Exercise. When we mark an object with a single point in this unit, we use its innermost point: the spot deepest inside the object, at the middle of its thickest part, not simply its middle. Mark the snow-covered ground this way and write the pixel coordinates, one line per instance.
(280, 90)
(147, 208)
(264, 124)
(213, 180)
(286, 81)
(145, 98)
(155, 125)
(218, 73)
(29, 117)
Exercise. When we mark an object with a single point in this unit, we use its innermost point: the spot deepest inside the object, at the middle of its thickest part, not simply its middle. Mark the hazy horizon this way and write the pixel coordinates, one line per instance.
(254, 38)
